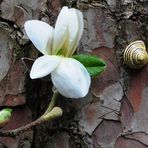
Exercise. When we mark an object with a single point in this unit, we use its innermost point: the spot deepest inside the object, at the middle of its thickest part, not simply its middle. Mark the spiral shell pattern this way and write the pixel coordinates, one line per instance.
(135, 55)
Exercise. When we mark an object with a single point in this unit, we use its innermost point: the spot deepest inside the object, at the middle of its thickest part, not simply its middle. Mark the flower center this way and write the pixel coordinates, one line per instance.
(61, 53)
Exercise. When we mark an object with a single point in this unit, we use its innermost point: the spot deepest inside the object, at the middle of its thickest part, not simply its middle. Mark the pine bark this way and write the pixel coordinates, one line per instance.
(113, 114)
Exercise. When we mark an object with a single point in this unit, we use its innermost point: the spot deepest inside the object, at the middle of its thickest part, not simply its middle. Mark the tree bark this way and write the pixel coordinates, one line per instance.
(113, 114)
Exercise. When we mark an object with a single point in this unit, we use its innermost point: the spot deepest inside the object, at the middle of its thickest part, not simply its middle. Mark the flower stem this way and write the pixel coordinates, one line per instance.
(52, 102)
(50, 114)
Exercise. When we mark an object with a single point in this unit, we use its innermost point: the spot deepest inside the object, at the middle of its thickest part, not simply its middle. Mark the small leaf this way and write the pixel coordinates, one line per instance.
(94, 65)
(5, 115)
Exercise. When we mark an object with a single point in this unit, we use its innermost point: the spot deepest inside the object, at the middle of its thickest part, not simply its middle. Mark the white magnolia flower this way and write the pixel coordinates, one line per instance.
(68, 75)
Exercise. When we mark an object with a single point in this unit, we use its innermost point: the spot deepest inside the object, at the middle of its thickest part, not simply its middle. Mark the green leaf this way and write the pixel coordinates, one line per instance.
(5, 115)
(94, 65)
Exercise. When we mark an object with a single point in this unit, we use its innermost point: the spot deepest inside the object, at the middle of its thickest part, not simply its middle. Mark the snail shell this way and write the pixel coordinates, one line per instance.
(135, 55)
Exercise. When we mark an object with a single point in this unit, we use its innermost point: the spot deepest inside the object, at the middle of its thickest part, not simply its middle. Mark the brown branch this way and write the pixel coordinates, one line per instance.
(53, 114)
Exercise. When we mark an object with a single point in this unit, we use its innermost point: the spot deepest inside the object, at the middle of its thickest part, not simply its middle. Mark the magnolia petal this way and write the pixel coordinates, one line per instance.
(61, 30)
(71, 78)
(44, 65)
(73, 29)
(41, 35)
(80, 31)
(81, 24)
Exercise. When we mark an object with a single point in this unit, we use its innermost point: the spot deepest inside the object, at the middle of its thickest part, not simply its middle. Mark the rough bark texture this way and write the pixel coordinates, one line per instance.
(114, 113)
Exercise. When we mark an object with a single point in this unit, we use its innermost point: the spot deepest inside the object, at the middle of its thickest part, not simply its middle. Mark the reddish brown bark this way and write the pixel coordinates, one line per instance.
(113, 114)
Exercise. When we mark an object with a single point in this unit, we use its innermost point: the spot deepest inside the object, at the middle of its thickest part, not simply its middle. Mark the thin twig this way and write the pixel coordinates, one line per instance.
(50, 114)
(52, 102)
(17, 131)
